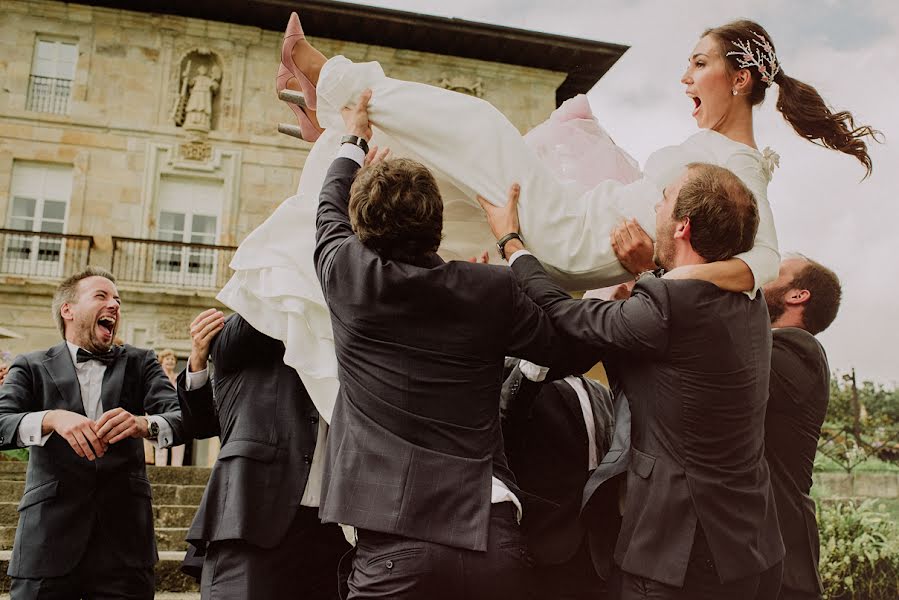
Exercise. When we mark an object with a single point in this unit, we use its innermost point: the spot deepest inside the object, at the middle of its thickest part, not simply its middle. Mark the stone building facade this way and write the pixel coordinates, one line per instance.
(146, 143)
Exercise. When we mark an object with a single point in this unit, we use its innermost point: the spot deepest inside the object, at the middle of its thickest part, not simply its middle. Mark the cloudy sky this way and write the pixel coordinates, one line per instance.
(848, 50)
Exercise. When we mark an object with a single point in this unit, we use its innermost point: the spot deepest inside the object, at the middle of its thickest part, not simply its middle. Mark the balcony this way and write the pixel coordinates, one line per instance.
(43, 255)
(49, 95)
(171, 264)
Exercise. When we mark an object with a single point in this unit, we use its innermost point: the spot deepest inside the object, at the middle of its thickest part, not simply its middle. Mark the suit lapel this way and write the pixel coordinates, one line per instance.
(113, 378)
(58, 363)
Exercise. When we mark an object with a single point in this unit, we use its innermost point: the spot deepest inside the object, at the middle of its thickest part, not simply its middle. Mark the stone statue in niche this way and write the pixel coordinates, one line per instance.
(201, 79)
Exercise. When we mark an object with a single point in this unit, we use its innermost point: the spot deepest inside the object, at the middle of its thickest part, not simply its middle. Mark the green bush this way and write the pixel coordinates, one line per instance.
(17, 454)
(859, 551)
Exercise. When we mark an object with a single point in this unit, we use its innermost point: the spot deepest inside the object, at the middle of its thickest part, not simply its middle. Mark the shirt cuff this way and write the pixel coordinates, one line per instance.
(165, 437)
(30, 430)
(195, 381)
(352, 152)
(533, 372)
(516, 254)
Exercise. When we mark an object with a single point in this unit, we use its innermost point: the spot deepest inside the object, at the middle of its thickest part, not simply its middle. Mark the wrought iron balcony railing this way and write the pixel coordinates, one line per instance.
(43, 255)
(171, 264)
(49, 94)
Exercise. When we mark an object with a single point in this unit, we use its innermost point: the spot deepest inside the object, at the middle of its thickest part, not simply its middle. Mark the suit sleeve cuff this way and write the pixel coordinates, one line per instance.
(30, 430)
(195, 381)
(352, 152)
(165, 437)
(515, 256)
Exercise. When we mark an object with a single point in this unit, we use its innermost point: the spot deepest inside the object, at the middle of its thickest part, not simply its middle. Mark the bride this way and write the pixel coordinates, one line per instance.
(473, 149)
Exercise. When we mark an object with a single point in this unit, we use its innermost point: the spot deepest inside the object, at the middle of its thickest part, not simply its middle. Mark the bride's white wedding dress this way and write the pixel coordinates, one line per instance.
(576, 185)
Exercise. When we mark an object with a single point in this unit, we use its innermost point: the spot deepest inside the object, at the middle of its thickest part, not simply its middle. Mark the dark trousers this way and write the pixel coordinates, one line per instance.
(575, 579)
(400, 568)
(100, 575)
(701, 581)
(303, 565)
(791, 594)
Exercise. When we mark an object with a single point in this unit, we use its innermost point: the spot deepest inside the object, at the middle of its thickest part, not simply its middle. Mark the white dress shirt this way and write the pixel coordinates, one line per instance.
(90, 379)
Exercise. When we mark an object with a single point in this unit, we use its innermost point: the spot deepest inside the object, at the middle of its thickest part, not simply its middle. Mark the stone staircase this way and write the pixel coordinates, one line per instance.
(176, 494)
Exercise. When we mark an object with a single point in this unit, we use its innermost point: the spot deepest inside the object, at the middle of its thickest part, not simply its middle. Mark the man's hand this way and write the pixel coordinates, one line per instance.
(4, 369)
(622, 291)
(633, 247)
(375, 156)
(503, 219)
(79, 431)
(203, 329)
(356, 118)
(117, 424)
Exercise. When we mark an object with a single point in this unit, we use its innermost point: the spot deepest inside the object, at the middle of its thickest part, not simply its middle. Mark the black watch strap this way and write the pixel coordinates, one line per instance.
(501, 243)
(356, 141)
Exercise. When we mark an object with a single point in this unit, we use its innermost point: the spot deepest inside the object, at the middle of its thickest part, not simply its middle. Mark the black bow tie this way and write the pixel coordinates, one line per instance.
(107, 358)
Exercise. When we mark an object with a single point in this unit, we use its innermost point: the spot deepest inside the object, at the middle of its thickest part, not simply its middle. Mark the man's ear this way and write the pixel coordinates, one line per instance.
(797, 297)
(683, 230)
(66, 311)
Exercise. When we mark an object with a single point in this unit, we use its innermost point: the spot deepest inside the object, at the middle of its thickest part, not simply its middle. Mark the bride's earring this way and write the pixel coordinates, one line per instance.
(734, 91)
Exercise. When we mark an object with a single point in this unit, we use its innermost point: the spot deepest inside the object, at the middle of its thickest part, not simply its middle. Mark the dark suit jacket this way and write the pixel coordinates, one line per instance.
(547, 447)
(415, 436)
(65, 495)
(268, 427)
(799, 393)
(693, 361)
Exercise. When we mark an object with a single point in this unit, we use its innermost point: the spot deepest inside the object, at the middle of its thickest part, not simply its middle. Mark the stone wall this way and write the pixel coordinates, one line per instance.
(119, 137)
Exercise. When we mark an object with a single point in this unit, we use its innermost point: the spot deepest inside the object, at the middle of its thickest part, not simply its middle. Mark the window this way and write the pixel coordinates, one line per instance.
(40, 200)
(188, 215)
(52, 72)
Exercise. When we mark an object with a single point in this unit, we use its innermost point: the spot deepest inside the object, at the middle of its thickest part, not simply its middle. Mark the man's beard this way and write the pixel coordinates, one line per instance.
(664, 241)
(90, 341)
(774, 298)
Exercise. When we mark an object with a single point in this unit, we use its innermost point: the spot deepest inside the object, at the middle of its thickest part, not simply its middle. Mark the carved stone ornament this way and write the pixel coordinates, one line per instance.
(176, 327)
(199, 82)
(463, 84)
(195, 150)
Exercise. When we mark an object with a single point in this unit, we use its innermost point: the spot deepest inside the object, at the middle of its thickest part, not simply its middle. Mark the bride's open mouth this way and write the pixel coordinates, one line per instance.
(696, 103)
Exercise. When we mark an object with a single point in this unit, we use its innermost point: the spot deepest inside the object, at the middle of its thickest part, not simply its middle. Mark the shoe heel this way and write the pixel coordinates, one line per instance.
(291, 130)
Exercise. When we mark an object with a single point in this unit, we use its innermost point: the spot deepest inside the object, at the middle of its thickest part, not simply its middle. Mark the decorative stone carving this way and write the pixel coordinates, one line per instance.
(201, 77)
(195, 150)
(462, 83)
(175, 327)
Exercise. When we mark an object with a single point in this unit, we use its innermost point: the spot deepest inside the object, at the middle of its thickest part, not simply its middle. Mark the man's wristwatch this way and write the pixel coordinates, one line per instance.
(356, 141)
(655, 273)
(501, 243)
(153, 429)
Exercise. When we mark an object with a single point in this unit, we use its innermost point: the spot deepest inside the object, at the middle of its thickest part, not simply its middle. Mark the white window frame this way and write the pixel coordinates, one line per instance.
(52, 104)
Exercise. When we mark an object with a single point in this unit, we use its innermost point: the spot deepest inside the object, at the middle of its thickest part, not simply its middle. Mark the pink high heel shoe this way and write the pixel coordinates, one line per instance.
(287, 70)
(297, 102)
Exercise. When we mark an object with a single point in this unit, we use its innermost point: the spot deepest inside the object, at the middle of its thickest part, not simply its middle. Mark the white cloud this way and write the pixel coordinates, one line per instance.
(849, 51)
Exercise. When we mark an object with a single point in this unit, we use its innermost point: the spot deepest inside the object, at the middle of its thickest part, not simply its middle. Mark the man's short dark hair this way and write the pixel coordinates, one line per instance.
(826, 293)
(723, 213)
(396, 209)
(68, 292)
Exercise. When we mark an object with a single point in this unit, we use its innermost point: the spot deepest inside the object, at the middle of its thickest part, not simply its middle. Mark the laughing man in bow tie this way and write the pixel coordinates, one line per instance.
(86, 520)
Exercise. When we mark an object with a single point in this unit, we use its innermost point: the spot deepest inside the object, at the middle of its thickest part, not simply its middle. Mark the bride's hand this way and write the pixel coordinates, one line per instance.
(503, 219)
(356, 118)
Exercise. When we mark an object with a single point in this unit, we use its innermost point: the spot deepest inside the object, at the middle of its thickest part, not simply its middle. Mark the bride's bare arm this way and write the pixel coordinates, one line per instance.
(732, 275)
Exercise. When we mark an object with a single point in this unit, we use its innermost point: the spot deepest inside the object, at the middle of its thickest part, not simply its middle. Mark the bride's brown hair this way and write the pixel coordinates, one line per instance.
(799, 103)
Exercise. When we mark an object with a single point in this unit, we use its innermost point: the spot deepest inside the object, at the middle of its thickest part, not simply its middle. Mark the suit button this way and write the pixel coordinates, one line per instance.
(313, 419)
(307, 459)
(389, 564)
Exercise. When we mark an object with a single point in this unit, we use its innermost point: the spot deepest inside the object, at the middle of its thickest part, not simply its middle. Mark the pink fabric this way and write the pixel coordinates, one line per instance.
(573, 145)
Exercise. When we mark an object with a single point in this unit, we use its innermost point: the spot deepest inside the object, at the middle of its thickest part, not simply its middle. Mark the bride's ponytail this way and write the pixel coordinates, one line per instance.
(746, 45)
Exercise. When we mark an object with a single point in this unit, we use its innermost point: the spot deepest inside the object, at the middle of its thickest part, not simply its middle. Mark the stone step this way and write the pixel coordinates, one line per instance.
(173, 584)
(164, 515)
(163, 493)
(167, 538)
(15, 470)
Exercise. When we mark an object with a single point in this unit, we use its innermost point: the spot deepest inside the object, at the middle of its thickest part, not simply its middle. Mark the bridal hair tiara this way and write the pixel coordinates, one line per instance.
(749, 56)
